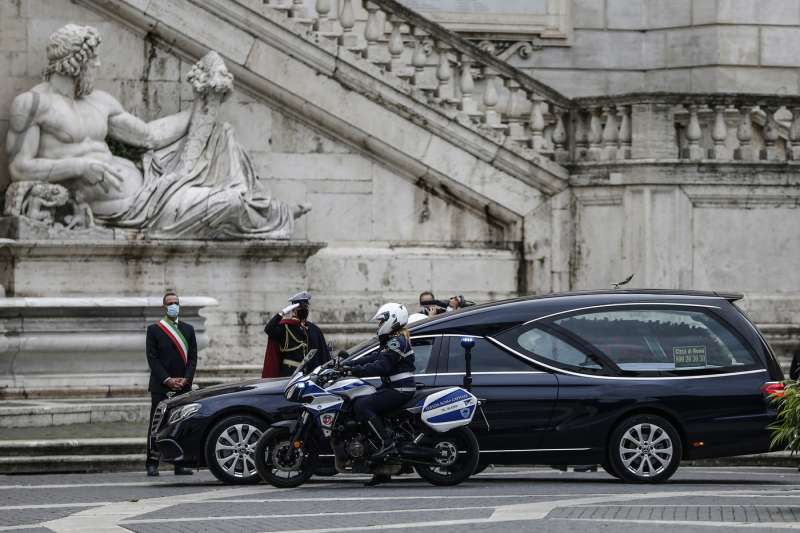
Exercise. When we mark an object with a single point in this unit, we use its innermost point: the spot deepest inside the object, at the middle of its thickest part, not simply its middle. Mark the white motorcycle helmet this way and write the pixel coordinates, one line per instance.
(391, 317)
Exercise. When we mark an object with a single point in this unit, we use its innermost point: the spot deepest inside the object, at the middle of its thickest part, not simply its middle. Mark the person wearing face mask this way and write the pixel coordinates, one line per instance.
(291, 336)
(172, 357)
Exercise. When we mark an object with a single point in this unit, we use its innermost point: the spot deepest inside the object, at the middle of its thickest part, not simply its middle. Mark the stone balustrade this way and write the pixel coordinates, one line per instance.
(506, 105)
(446, 71)
(688, 127)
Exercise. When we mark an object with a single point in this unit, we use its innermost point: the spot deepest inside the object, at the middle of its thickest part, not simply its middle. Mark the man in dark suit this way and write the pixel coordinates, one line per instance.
(172, 357)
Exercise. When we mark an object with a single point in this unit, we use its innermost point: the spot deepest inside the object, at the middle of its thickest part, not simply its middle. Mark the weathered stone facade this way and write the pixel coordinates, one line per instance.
(408, 194)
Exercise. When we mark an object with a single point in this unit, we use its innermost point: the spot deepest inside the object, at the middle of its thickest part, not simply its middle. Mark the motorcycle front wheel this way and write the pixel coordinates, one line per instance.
(282, 465)
(456, 459)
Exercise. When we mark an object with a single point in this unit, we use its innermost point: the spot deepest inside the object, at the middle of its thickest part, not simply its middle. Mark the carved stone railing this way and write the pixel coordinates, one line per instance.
(444, 70)
(689, 127)
(487, 94)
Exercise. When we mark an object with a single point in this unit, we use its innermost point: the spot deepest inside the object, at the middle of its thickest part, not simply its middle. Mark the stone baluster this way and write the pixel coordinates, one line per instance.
(719, 134)
(610, 134)
(595, 151)
(491, 118)
(693, 135)
(537, 123)
(397, 46)
(561, 153)
(325, 25)
(347, 20)
(581, 135)
(514, 109)
(794, 135)
(468, 106)
(424, 81)
(376, 51)
(744, 133)
(444, 75)
(625, 133)
(300, 14)
(771, 132)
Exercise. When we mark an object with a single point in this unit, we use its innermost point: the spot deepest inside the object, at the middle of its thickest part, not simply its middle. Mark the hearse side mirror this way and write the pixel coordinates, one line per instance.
(468, 343)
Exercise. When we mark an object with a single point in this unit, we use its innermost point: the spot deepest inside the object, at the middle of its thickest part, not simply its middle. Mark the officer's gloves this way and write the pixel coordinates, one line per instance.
(288, 309)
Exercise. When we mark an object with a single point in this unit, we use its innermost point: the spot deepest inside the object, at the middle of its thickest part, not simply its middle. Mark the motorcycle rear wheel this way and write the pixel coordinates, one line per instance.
(457, 459)
(281, 466)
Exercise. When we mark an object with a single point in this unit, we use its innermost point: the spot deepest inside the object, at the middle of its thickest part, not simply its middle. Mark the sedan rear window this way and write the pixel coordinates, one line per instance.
(660, 340)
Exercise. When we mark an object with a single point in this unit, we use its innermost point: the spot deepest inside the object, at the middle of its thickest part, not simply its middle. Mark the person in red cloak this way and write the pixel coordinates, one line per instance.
(291, 337)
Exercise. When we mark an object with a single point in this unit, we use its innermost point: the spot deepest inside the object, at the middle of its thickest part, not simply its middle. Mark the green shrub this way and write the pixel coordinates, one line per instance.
(786, 429)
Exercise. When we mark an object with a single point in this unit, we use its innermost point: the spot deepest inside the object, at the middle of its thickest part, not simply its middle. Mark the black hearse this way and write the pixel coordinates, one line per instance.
(633, 380)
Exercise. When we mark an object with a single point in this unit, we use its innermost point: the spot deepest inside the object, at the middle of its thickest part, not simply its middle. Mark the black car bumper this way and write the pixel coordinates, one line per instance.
(182, 443)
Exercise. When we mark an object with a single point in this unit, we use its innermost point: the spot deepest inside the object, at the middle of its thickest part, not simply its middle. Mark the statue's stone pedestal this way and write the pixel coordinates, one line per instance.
(91, 344)
(250, 280)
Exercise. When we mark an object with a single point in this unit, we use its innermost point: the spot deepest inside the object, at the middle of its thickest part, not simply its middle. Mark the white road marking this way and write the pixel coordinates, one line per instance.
(395, 498)
(92, 485)
(762, 525)
(51, 506)
(539, 510)
(296, 515)
(106, 518)
(17, 528)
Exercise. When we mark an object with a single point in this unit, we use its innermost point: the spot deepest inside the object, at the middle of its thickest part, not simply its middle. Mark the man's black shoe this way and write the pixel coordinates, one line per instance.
(183, 471)
(377, 479)
(152, 470)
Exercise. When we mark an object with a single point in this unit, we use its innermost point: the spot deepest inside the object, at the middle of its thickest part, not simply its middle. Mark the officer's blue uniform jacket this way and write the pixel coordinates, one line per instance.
(394, 363)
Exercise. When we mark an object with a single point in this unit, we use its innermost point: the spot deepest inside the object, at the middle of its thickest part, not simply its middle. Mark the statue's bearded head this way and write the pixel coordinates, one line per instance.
(72, 52)
(210, 75)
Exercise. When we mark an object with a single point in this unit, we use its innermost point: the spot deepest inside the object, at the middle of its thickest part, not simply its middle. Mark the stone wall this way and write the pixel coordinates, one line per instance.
(621, 46)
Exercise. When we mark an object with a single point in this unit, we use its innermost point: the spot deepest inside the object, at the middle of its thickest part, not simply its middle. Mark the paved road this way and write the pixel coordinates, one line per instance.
(499, 500)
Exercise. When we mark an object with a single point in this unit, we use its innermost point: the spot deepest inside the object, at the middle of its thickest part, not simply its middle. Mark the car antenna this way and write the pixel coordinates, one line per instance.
(621, 283)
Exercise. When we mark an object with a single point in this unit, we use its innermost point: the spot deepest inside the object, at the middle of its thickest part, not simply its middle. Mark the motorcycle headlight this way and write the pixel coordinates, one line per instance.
(183, 412)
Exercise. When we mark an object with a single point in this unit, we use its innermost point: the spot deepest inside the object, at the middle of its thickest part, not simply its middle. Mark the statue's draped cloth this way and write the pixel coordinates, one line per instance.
(205, 186)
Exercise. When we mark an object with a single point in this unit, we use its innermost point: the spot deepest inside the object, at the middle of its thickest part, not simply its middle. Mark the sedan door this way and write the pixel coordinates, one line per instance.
(519, 397)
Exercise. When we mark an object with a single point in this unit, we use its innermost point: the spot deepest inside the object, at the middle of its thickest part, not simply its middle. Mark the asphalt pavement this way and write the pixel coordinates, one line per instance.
(499, 500)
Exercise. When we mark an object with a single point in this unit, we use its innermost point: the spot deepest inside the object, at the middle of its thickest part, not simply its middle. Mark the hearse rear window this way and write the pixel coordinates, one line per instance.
(661, 340)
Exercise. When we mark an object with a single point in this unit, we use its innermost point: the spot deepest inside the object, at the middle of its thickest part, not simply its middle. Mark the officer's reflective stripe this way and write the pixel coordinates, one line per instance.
(404, 375)
(406, 389)
(289, 362)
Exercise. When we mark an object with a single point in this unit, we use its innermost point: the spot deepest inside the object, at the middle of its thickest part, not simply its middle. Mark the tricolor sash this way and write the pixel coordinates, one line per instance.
(175, 335)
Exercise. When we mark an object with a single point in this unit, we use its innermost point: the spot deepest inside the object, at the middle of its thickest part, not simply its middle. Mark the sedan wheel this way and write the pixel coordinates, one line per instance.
(645, 449)
(230, 449)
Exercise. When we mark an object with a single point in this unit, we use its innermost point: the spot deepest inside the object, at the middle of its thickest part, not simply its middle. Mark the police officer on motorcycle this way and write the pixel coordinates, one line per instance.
(393, 362)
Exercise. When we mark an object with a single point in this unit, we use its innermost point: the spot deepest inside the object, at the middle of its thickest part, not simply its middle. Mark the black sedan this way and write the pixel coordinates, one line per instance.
(632, 380)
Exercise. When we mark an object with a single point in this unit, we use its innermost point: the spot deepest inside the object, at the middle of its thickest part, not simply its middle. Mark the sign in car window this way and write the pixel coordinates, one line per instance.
(689, 356)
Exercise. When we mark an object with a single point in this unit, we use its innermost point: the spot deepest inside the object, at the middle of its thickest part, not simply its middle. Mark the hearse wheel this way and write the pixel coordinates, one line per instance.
(644, 449)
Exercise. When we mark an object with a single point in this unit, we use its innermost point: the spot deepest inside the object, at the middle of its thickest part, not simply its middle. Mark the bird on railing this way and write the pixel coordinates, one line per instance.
(624, 282)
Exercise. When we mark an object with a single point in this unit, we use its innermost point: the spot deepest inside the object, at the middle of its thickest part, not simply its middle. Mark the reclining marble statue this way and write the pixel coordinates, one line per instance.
(194, 181)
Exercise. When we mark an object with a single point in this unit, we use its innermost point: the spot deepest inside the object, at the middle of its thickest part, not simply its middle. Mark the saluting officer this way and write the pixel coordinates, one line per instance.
(291, 337)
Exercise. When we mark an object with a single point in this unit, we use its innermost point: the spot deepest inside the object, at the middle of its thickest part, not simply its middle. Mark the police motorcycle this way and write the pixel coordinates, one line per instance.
(431, 431)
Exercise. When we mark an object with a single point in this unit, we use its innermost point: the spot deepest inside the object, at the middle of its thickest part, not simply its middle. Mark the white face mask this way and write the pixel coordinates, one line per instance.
(173, 310)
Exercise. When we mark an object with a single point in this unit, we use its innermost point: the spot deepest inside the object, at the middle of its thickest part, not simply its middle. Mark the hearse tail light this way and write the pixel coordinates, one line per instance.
(773, 389)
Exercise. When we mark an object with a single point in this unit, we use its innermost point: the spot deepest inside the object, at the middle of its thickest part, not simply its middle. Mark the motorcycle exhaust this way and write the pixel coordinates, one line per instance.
(417, 452)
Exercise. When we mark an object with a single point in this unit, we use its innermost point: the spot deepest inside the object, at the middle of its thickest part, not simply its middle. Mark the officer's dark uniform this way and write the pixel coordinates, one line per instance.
(394, 363)
(294, 340)
(794, 371)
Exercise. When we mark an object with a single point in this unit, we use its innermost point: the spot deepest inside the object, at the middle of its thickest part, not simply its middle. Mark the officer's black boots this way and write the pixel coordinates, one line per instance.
(386, 438)
(377, 479)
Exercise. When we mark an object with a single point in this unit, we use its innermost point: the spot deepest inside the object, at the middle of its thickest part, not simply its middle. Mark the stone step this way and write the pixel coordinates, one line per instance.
(23, 414)
(72, 455)
(73, 447)
(72, 463)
